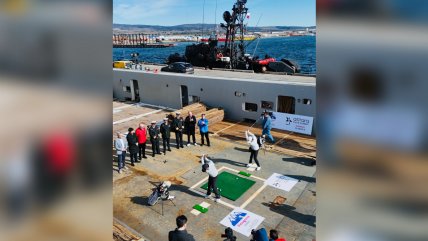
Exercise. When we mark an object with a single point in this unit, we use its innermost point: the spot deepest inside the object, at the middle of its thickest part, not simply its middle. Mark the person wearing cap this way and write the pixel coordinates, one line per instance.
(120, 145)
(267, 126)
(203, 129)
(208, 166)
(165, 130)
(141, 133)
(132, 145)
(154, 138)
(177, 126)
(190, 125)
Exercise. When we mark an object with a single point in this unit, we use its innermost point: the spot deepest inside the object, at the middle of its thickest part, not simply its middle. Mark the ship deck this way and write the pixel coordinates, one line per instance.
(292, 213)
(244, 75)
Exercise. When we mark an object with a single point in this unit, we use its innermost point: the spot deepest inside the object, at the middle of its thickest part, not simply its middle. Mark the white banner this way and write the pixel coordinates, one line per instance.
(242, 221)
(281, 182)
(295, 123)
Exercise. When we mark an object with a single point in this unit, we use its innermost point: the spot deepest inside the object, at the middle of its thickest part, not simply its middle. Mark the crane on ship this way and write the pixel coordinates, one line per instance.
(232, 55)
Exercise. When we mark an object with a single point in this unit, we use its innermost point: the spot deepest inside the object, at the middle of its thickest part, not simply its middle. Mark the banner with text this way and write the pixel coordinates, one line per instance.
(242, 221)
(289, 122)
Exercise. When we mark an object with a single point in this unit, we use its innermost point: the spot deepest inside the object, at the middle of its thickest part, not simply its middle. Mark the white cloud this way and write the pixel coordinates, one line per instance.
(136, 11)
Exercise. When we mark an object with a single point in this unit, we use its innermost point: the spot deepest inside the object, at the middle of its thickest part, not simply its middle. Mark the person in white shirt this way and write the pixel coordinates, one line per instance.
(255, 145)
(120, 145)
(208, 166)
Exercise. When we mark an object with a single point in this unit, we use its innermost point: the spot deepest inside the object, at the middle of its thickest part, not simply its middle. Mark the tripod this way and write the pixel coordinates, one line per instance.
(160, 192)
(167, 198)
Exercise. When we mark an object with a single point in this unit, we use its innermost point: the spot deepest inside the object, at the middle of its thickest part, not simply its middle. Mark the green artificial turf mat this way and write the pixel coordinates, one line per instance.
(244, 174)
(200, 208)
(231, 186)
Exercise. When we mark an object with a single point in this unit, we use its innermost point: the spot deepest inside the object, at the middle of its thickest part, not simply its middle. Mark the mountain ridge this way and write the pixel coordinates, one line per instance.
(197, 27)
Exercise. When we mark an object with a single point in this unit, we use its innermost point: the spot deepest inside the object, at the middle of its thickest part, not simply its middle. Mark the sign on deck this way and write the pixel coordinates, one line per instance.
(295, 123)
(242, 221)
(281, 182)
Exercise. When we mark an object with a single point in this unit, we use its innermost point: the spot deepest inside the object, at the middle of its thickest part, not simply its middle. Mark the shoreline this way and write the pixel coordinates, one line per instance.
(196, 39)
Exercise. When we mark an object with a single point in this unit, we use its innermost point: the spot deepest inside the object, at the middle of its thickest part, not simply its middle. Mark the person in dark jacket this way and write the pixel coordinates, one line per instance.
(132, 145)
(177, 126)
(203, 129)
(180, 233)
(190, 124)
(274, 236)
(154, 138)
(165, 130)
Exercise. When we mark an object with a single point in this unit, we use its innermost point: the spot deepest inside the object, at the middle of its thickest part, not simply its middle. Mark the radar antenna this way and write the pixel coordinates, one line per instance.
(234, 26)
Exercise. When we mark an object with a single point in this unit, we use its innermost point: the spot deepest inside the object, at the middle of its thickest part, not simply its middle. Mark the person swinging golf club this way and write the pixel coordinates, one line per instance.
(255, 145)
(209, 167)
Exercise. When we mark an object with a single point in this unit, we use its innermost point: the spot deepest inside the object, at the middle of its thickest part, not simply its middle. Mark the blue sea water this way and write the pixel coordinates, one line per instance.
(300, 49)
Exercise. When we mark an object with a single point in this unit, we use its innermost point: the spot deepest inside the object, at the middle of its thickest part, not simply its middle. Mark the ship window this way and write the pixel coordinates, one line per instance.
(267, 105)
(251, 107)
(286, 104)
(238, 94)
(194, 99)
(247, 120)
(307, 101)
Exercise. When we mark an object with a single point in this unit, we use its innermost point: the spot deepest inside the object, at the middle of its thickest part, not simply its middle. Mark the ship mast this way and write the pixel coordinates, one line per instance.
(234, 26)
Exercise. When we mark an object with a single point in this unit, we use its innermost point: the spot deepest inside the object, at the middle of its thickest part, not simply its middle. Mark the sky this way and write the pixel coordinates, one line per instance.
(175, 12)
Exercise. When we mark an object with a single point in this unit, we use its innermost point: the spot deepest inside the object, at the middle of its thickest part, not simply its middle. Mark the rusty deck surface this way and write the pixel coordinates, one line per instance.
(286, 142)
(292, 213)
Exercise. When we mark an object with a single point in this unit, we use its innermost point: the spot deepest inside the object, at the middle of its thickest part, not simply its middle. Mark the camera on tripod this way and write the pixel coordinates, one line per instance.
(228, 234)
(160, 192)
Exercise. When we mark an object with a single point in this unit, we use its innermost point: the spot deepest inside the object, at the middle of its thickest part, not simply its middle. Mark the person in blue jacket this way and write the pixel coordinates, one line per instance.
(203, 129)
(260, 235)
(267, 126)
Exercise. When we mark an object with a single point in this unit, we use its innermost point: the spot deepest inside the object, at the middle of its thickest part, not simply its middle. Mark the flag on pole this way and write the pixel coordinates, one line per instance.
(248, 15)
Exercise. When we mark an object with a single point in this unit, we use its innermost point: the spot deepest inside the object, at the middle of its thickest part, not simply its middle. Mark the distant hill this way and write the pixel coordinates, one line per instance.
(194, 28)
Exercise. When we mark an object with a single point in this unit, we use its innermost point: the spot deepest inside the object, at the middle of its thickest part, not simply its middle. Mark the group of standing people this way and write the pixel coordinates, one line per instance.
(181, 234)
(188, 125)
(135, 143)
(136, 139)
